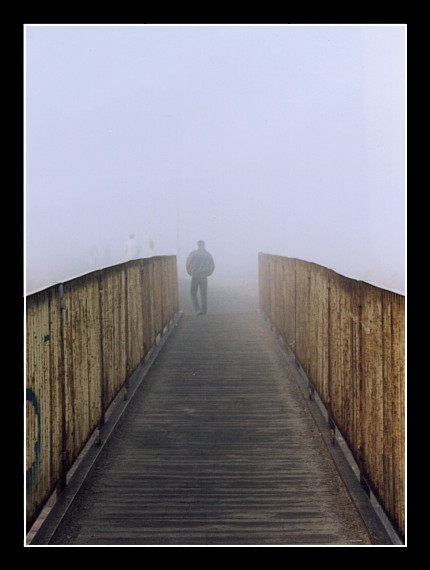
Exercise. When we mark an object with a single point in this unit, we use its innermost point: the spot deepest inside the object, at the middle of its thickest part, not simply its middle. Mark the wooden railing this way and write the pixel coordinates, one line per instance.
(349, 338)
(84, 339)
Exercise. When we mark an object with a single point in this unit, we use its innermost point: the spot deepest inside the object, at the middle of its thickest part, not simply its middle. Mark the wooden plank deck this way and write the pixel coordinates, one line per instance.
(217, 447)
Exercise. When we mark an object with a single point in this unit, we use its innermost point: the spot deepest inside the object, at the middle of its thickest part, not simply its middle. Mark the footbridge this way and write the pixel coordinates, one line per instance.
(276, 419)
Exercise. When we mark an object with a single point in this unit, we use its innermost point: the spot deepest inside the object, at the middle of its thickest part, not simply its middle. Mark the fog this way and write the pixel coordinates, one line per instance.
(283, 139)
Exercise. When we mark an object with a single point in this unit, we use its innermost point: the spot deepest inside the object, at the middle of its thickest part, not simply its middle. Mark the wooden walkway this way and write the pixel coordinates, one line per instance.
(217, 447)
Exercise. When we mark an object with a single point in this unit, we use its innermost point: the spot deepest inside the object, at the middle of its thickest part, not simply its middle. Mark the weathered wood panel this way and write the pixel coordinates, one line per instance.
(302, 312)
(344, 345)
(135, 314)
(114, 331)
(157, 296)
(349, 337)
(43, 398)
(83, 363)
(318, 339)
(289, 292)
(83, 339)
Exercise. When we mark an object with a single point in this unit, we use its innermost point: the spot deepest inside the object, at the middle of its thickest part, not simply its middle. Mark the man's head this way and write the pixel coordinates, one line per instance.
(201, 244)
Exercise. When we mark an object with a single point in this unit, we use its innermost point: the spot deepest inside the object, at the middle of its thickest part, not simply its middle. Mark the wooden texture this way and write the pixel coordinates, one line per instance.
(349, 337)
(43, 397)
(80, 354)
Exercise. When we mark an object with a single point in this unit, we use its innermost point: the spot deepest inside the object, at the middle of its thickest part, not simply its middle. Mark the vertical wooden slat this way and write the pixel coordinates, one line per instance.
(303, 346)
(289, 303)
(344, 344)
(114, 318)
(371, 393)
(158, 316)
(318, 329)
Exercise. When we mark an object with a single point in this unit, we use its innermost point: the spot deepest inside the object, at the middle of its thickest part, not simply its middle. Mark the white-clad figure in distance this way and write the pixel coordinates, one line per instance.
(132, 248)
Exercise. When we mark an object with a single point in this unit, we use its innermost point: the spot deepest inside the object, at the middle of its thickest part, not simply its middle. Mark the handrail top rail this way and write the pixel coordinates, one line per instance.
(372, 284)
(143, 260)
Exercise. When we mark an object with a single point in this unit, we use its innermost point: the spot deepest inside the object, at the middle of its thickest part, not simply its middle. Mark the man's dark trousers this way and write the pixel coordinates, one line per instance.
(202, 282)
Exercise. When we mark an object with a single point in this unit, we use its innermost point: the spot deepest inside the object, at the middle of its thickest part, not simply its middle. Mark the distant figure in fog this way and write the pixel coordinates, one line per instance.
(151, 246)
(200, 265)
(132, 248)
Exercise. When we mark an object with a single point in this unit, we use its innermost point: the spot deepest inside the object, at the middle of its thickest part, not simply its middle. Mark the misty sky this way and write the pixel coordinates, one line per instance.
(283, 139)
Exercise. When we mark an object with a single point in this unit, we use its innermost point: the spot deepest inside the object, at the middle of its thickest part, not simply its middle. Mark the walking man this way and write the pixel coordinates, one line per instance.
(200, 265)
